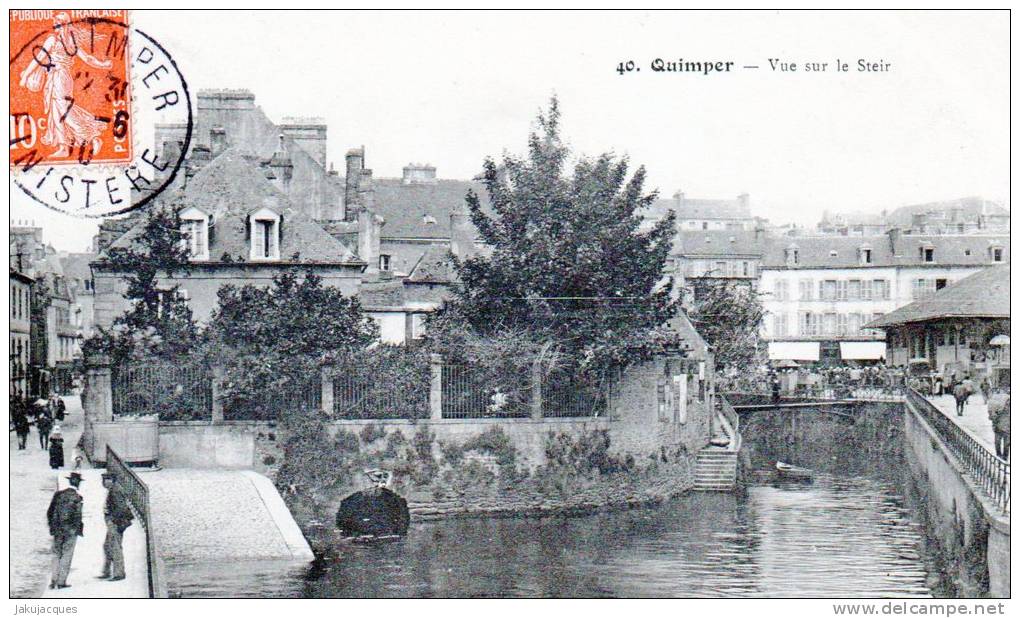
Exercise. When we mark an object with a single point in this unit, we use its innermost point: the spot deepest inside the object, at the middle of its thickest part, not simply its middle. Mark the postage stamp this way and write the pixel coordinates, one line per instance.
(86, 93)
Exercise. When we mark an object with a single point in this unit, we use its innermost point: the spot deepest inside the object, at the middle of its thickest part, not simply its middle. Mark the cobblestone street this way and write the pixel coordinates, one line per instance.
(32, 484)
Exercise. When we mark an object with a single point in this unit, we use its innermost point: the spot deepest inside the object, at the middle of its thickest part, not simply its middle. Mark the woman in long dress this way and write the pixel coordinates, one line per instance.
(56, 449)
(68, 125)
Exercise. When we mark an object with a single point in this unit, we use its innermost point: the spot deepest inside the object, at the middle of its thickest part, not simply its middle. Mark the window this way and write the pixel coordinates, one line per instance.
(808, 323)
(940, 283)
(720, 269)
(880, 289)
(923, 288)
(781, 328)
(829, 324)
(805, 286)
(853, 289)
(792, 255)
(704, 225)
(265, 235)
(865, 290)
(747, 269)
(827, 290)
(854, 323)
(782, 289)
(995, 253)
(195, 228)
(841, 290)
(384, 262)
(841, 324)
(865, 255)
(927, 254)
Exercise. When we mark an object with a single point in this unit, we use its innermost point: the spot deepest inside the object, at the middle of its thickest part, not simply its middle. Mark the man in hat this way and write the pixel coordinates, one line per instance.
(66, 525)
(118, 516)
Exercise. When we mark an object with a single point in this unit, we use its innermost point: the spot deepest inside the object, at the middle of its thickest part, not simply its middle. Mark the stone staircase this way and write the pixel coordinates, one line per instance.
(715, 469)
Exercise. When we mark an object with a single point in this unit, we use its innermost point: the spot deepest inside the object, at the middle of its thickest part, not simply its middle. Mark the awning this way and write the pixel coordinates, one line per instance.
(793, 350)
(862, 350)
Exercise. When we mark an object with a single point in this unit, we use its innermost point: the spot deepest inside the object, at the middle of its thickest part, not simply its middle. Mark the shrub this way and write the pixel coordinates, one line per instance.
(372, 432)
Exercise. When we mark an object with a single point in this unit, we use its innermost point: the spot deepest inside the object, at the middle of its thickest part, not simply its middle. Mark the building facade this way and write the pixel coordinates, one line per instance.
(20, 334)
(819, 292)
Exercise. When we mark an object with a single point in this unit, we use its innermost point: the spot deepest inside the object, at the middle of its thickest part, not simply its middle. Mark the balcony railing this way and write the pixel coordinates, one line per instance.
(990, 472)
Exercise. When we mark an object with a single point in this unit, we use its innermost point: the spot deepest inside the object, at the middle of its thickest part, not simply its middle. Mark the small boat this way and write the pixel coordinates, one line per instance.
(794, 472)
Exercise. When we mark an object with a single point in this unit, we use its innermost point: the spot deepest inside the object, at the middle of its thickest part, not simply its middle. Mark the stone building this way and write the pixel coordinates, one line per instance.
(706, 214)
(820, 291)
(20, 354)
(952, 330)
(700, 257)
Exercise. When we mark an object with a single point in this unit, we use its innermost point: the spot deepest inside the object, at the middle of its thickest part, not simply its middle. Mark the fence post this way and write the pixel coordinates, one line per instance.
(536, 389)
(217, 401)
(327, 390)
(436, 386)
(97, 398)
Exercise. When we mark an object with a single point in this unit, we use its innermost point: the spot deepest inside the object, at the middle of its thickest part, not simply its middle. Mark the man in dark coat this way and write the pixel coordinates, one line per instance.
(44, 424)
(65, 521)
(118, 516)
(998, 412)
(21, 427)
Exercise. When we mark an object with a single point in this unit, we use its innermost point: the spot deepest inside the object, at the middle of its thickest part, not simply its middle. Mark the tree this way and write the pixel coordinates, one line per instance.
(275, 340)
(159, 322)
(728, 316)
(569, 261)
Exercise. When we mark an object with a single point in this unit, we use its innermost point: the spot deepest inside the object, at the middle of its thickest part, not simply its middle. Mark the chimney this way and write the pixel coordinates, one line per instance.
(200, 155)
(309, 134)
(679, 196)
(894, 239)
(462, 233)
(281, 166)
(369, 233)
(956, 214)
(217, 140)
(416, 173)
(744, 200)
(355, 163)
(171, 150)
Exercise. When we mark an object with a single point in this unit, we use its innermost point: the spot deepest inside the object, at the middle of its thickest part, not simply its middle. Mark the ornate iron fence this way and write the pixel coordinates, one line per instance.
(990, 472)
(169, 391)
(270, 405)
(137, 493)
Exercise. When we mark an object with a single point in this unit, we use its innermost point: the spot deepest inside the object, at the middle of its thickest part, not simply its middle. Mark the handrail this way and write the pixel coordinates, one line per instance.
(734, 420)
(137, 493)
(991, 472)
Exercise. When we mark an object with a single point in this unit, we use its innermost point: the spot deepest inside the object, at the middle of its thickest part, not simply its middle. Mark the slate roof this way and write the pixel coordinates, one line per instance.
(984, 294)
(970, 208)
(421, 210)
(816, 251)
(229, 188)
(434, 266)
(719, 243)
(689, 208)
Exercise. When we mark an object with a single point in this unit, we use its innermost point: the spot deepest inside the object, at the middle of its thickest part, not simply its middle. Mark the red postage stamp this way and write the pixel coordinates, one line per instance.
(70, 95)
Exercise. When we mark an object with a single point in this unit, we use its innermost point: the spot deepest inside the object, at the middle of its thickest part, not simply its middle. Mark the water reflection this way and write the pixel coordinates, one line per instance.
(840, 536)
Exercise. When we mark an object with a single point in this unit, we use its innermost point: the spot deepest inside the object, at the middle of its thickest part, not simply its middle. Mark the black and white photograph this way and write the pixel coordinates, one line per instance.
(410, 304)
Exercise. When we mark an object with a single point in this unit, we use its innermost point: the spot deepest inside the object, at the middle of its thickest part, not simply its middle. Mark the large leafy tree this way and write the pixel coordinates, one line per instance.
(158, 322)
(273, 341)
(728, 315)
(569, 262)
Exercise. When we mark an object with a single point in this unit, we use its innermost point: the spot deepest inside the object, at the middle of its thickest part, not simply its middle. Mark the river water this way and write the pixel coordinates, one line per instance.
(840, 536)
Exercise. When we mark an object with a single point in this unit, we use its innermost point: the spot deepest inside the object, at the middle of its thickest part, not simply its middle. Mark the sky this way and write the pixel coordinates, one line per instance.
(452, 88)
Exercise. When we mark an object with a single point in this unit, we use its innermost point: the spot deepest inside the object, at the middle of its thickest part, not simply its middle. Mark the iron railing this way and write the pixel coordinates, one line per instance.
(990, 472)
(137, 493)
(170, 391)
(356, 395)
(468, 392)
(565, 394)
(271, 405)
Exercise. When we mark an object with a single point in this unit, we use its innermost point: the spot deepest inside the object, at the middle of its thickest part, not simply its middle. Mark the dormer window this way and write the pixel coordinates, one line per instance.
(927, 253)
(265, 235)
(792, 255)
(195, 229)
(384, 262)
(995, 253)
(864, 254)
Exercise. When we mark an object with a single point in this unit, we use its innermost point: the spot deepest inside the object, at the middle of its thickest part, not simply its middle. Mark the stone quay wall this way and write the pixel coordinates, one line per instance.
(971, 533)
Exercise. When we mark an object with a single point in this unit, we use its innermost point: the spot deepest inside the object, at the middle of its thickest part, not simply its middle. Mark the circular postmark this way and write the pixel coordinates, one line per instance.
(88, 96)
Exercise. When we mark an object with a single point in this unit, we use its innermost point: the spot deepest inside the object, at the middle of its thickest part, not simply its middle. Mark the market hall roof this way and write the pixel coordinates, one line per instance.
(984, 294)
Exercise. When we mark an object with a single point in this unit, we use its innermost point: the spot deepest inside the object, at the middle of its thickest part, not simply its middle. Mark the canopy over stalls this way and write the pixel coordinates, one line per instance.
(794, 350)
(862, 350)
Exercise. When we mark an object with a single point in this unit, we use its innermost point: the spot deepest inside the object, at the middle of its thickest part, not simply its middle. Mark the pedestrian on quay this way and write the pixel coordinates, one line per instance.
(962, 392)
(65, 522)
(21, 427)
(998, 412)
(56, 449)
(61, 409)
(119, 516)
(43, 425)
